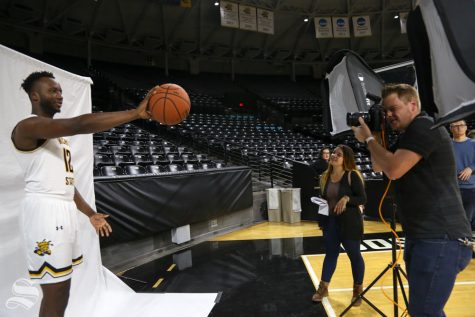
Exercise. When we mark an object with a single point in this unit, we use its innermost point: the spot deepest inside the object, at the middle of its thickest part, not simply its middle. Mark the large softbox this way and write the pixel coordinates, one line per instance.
(348, 79)
(441, 36)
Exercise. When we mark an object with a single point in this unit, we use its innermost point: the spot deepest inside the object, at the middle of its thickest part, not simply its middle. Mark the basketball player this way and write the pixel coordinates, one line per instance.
(49, 216)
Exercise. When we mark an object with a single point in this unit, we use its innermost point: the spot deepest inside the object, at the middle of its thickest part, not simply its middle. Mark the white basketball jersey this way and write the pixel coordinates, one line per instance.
(48, 169)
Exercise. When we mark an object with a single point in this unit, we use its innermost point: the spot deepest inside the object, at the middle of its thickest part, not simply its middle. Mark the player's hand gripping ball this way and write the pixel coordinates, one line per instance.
(170, 104)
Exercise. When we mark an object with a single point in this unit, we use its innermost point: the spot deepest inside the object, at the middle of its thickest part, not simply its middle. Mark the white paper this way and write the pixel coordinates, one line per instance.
(322, 205)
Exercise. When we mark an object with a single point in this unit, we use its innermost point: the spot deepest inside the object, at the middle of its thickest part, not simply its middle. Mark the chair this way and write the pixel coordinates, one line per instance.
(101, 149)
(153, 169)
(207, 166)
(202, 158)
(111, 170)
(174, 158)
(143, 159)
(189, 158)
(190, 167)
(137, 149)
(173, 168)
(123, 159)
(103, 160)
(135, 170)
(97, 171)
(158, 159)
(121, 149)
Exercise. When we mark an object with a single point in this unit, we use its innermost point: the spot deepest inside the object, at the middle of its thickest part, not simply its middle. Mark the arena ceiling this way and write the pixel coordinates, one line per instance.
(156, 29)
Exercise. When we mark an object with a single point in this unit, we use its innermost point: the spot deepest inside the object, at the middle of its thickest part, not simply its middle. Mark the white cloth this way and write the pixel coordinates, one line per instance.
(273, 198)
(322, 205)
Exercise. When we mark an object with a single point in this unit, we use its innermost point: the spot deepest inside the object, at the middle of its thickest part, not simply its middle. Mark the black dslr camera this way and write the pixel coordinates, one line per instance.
(374, 117)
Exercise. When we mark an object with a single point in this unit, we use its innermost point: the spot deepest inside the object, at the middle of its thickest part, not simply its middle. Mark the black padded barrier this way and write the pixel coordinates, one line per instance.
(143, 206)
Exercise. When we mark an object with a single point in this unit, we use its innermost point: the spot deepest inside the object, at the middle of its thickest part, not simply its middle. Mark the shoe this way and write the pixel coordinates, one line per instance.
(357, 290)
(322, 291)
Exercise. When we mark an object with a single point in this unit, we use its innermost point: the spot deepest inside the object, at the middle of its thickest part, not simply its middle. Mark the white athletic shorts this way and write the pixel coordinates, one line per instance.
(50, 230)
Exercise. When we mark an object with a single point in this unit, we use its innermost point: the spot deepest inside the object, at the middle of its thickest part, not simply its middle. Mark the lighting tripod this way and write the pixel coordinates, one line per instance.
(397, 271)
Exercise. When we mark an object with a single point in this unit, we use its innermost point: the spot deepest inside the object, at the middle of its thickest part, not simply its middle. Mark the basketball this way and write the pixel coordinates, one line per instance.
(170, 104)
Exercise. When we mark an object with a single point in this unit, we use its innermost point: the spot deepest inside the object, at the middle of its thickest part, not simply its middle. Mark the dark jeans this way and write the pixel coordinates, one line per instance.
(332, 239)
(432, 266)
(468, 199)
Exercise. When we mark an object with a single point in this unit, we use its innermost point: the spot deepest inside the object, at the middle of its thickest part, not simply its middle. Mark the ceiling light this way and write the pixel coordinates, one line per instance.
(396, 16)
(216, 3)
(305, 20)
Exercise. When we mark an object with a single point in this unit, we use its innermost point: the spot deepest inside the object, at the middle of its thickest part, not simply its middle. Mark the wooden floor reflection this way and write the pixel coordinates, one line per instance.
(460, 303)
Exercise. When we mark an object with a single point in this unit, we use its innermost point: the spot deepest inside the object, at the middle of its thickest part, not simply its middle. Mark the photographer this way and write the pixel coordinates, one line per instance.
(422, 166)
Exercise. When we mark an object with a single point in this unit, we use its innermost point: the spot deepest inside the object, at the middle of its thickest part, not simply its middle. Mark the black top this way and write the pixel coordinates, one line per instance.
(351, 220)
(427, 196)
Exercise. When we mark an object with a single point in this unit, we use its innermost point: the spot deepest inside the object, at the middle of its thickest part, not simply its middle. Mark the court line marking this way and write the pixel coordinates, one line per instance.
(157, 283)
(171, 267)
(325, 302)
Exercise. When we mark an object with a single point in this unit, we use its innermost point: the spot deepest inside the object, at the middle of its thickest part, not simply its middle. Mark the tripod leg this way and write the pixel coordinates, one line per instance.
(366, 290)
(403, 291)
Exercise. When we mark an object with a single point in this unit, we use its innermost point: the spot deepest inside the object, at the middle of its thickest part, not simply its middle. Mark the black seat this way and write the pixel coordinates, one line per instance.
(111, 170)
(103, 160)
(143, 159)
(137, 149)
(173, 168)
(121, 149)
(135, 170)
(97, 171)
(158, 159)
(202, 158)
(153, 169)
(123, 159)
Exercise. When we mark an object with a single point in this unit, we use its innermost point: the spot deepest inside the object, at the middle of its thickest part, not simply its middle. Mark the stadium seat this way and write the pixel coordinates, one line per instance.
(103, 160)
(153, 169)
(135, 170)
(111, 171)
(123, 160)
(143, 159)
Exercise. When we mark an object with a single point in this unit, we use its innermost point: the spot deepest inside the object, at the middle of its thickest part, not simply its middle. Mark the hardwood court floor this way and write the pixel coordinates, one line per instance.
(271, 269)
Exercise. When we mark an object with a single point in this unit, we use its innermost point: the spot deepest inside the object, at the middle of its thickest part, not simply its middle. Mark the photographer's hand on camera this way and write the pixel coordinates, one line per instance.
(362, 133)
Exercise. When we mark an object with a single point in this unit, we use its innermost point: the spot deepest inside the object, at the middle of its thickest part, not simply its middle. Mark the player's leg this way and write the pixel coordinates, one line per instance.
(55, 299)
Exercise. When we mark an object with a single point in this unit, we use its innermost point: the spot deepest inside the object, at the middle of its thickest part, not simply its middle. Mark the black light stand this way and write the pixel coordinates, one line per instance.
(397, 271)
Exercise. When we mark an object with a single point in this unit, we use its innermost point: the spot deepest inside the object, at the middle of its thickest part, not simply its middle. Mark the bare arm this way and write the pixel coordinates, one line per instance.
(28, 131)
(394, 165)
(97, 220)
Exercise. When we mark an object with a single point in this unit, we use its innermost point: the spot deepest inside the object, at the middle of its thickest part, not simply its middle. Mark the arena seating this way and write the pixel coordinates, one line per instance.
(131, 151)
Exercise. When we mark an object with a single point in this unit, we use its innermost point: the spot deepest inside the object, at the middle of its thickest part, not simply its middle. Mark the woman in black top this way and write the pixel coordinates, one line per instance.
(342, 185)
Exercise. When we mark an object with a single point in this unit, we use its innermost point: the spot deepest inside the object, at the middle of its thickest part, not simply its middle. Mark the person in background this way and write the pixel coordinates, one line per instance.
(342, 185)
(464, 150)
(422, 167)
(49, 209)
(321, 164)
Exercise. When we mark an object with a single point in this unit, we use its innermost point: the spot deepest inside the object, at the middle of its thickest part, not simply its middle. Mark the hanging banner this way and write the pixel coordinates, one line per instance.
(341, 27)
(361, 26)
(229, 14)
(323, 27)
(247, 18)
(403, 21)
(265, 21)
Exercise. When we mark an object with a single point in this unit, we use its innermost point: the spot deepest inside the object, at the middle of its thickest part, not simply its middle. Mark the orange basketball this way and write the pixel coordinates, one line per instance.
(170, 104)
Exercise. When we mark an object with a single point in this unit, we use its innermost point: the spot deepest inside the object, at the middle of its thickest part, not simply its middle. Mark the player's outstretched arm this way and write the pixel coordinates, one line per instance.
(98, 221)
(36, 128)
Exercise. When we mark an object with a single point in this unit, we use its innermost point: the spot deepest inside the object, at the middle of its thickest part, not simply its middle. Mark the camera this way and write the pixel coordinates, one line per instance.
(374, 117)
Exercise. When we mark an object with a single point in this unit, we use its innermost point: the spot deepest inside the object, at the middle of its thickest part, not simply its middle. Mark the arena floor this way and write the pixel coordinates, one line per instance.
(271, 269)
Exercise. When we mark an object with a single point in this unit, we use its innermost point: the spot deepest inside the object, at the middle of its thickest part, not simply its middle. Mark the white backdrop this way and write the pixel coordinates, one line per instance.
(95, 291)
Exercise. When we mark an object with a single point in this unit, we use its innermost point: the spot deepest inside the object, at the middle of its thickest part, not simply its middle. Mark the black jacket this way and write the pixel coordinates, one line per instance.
(351, 220)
